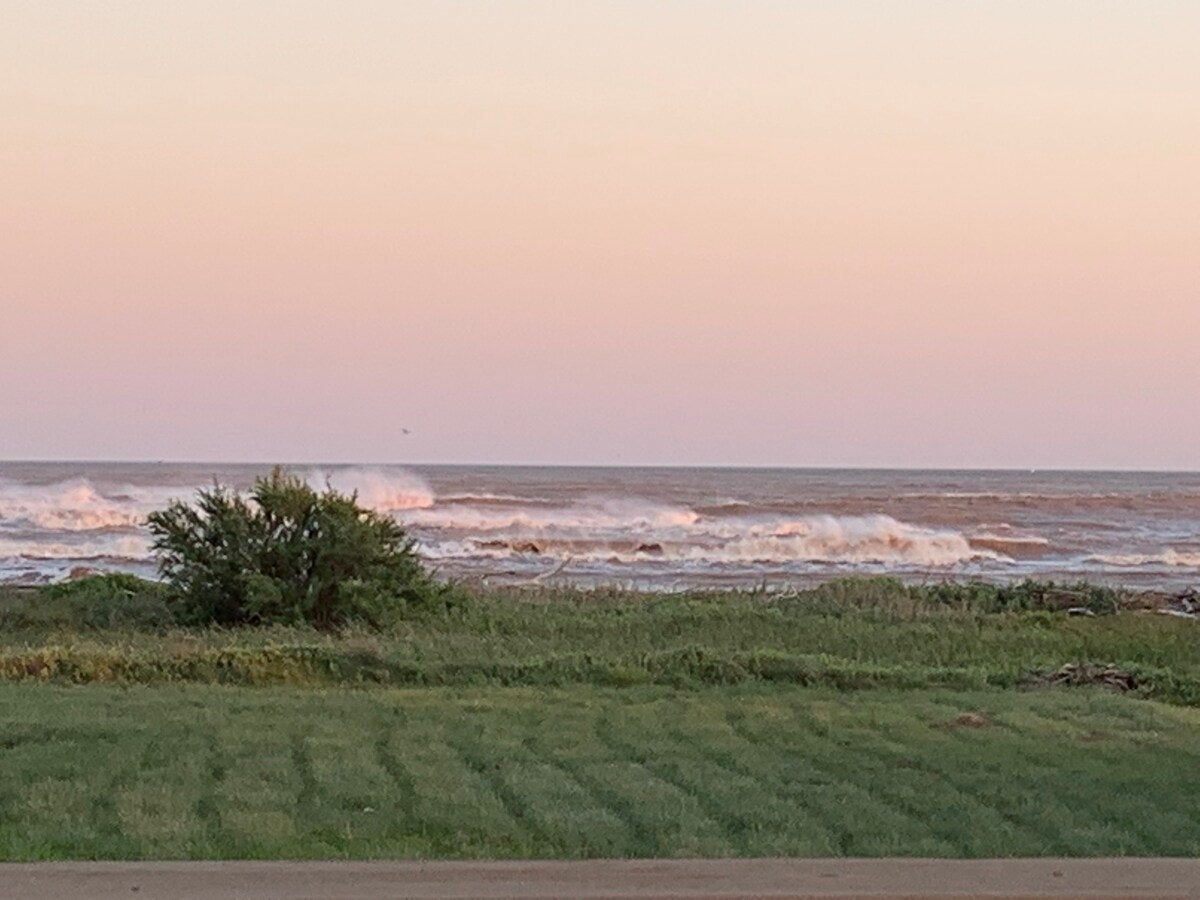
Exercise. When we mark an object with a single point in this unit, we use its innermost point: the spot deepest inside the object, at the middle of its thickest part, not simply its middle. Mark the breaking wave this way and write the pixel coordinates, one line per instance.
(1010, 544)
(637, 533)
(1165, 558)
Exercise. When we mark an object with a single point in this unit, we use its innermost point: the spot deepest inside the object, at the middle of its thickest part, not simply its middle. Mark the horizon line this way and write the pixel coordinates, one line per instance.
(610, 465)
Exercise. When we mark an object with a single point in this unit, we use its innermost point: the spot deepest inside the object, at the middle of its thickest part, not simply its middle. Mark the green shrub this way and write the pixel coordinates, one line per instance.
(95, 603)
(287, 554)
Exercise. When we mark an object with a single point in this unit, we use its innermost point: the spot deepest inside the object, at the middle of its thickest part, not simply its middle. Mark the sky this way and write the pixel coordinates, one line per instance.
(845, 233)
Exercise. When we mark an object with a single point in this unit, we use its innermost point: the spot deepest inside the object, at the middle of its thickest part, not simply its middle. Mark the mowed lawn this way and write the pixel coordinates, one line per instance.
(199, 771)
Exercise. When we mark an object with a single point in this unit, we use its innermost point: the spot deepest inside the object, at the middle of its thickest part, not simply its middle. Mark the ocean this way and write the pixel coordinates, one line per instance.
(661, 528)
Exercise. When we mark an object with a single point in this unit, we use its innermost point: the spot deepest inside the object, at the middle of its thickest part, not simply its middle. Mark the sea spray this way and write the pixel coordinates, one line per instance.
(382, 491)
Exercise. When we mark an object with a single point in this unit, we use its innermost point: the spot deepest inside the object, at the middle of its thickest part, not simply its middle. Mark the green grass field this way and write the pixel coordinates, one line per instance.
(203, 771)
(561, 724)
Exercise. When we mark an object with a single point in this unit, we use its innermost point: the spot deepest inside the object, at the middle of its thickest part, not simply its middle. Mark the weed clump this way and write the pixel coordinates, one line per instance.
(95, 603)
(287, 554)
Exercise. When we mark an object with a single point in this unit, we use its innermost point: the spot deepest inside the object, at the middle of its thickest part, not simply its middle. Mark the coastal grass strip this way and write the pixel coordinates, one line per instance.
(324, 665)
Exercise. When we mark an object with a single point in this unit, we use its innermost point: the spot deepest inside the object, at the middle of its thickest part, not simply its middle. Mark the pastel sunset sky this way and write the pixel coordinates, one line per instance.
(683, 232)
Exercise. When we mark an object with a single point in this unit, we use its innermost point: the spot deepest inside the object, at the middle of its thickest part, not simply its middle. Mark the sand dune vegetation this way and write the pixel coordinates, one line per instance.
(849, 634)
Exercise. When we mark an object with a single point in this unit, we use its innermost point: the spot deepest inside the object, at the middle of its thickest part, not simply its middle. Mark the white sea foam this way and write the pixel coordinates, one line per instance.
(595, 533)
(989, 537)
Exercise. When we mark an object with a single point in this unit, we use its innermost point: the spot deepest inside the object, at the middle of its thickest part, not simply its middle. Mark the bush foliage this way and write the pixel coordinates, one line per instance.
(286, 554)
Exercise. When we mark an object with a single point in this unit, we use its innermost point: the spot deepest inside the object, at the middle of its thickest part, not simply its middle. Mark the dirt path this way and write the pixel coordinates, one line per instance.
(603, 879)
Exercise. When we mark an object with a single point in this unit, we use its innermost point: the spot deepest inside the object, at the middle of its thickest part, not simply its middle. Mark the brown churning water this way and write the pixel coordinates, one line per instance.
(663, 528)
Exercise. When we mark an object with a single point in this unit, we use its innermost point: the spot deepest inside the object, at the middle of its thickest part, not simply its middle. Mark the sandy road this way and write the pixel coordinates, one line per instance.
(641, 879)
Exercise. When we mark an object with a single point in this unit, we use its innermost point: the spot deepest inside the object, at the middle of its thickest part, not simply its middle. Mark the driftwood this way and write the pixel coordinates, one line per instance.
(538, 579)
(1073, 675)
(1184, 606)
